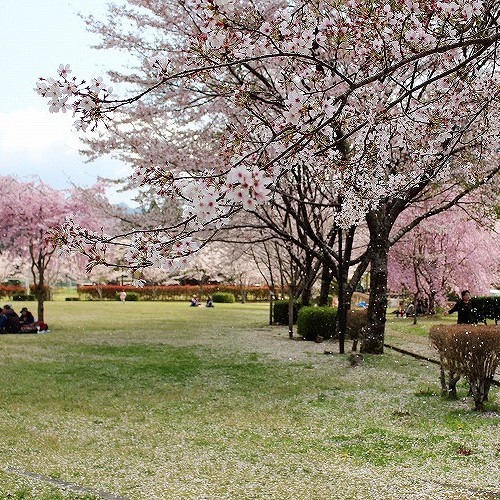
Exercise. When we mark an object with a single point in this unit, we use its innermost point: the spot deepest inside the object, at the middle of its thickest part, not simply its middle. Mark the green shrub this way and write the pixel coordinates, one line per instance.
(223, 297)
(130, 297)
(485, 308)
(317, 321)
(280, 312)
(23, 297)
(72, 299)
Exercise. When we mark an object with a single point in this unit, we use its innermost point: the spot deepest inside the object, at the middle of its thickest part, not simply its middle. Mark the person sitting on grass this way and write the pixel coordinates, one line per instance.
(3, 321)
(26, 317)
(12, 323)
(27, 320)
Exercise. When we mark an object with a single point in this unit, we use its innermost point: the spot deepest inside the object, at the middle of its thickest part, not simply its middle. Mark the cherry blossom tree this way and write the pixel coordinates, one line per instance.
(150, 210)
(381, 100)
(11, 266)
(449, 252)
(228, 263)
(28, 213)
(279, 245)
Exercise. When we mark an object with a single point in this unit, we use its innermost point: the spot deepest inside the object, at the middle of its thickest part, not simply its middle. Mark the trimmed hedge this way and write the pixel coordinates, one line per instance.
(472, 351)
(486, 308)
(11, 290)
(72, 299)
(223, 297)
(131, 297)
(23, 297)
(171, 292)
(280, 312)
(316, 322)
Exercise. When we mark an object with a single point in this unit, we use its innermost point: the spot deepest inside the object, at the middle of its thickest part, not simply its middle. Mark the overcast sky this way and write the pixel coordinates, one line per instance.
(35, 37)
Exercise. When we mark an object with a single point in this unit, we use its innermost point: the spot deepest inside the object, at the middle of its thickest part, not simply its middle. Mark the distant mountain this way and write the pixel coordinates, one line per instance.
(126, 208)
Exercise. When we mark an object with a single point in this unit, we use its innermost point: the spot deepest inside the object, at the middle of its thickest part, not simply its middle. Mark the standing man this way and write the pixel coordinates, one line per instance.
(464, 309)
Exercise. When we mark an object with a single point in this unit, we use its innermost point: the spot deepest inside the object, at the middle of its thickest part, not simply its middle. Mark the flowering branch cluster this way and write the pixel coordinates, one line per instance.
(377, 97)
(142, 248)
(87, 100)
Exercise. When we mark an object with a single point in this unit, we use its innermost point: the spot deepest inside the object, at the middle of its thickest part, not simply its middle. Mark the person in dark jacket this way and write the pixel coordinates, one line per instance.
(3, 321)
(26, 317)
(12, 324)
(464, 309)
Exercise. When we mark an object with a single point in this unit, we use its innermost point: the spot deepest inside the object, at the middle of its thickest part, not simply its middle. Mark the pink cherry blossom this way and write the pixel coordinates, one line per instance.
(377, 98)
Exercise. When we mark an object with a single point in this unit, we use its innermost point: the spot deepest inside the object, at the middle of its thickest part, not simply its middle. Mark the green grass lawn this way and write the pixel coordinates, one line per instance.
(162, 401)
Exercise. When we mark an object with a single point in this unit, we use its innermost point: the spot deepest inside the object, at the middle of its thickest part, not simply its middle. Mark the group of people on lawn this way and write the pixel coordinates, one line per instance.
(195, 301)
(463, 307)
(11, 322)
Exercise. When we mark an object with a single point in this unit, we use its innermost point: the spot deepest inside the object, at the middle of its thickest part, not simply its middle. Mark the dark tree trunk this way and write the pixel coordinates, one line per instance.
(373, 337)
(348, 291)
(306, 295)
(38, 273)
(345, 244)
(40, 297)
(326, 283)
(432, 302)
(341, 310)
(372, 341)
(305, 276)
(453, 378)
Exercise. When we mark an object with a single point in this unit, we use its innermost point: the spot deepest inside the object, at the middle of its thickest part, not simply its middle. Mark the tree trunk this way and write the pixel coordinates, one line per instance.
(341, 310)
(432, 302)
(372, 341)
(453, 378)
(345, 297)
(40, 297)
(38, 273)
(479, 393)
(306, 295)
(345, 287)
(326, 283)
(39, 290)
(308, 272)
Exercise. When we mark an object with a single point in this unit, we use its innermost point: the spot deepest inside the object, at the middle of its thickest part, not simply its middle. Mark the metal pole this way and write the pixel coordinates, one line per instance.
(291, 298)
